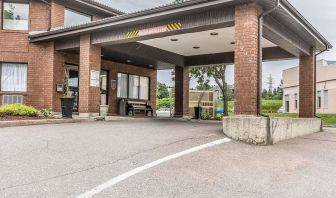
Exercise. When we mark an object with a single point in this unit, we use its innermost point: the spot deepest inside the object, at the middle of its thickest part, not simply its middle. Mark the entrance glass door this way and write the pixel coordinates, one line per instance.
(73, 84)
(103, 87)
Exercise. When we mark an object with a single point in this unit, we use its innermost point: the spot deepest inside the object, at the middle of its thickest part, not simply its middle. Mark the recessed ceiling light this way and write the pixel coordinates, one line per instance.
(232, 43)
(128, 61)
(214, 34)
(196, 47)
(174, 39)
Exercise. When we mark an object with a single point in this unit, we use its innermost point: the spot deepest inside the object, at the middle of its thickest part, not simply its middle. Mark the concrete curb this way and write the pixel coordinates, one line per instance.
(4, 124)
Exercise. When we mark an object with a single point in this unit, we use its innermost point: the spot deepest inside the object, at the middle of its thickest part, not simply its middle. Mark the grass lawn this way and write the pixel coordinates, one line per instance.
(328, 119)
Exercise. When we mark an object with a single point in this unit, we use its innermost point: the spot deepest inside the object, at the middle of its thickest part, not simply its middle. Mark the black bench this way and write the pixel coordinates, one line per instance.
(133, 106)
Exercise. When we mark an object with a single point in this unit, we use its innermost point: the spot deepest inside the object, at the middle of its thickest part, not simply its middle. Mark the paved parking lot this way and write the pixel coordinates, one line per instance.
(70, 159)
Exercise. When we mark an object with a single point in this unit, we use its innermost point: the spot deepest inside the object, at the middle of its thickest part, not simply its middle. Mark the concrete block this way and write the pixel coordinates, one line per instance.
(266, 131)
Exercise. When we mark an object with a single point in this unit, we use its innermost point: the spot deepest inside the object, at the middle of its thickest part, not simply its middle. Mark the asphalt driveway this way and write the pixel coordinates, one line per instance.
(70, 159)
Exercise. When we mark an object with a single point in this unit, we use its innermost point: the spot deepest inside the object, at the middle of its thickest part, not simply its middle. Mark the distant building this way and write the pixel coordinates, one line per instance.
(325, 88)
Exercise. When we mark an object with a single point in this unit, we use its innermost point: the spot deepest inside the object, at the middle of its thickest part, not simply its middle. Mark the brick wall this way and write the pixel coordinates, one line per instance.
(39, 16)
(89, 59)
(307, 86)
(115, 68)
(57, 14)
(246, 59)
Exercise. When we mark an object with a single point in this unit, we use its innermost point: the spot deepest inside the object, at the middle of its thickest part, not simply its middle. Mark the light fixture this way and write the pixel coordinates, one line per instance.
(174, 39)
(102, 55)
(196, 47)
(232, 43)
(128, 61)
(214, 33)
(150, 66)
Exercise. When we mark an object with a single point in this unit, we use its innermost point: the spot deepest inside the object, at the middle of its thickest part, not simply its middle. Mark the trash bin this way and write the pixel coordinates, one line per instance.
(122, 107)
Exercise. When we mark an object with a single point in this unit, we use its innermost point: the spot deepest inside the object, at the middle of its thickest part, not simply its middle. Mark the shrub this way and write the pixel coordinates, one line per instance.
(271, 106)
(46, 113)
(206, 116)
(164, 103)
(18, 110)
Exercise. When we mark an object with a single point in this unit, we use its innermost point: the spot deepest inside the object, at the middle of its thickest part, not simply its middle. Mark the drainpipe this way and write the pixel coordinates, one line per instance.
(259, 72)
(315, 58)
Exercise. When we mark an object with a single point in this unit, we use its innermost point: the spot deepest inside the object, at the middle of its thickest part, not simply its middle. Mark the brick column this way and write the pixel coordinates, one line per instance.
(89, 60)
(247, 59)
(181, 91)
(57, 14)
(307, 76)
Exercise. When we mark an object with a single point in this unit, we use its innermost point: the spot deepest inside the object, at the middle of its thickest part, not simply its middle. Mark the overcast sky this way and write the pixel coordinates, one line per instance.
(322, 14)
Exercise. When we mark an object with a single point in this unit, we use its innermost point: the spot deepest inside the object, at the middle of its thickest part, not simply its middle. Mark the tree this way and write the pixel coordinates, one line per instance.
(217, 72)
(162, 91)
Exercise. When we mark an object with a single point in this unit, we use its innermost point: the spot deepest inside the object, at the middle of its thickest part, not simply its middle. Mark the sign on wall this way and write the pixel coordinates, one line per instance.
(154, 30)
(113, 84)
(94, 78)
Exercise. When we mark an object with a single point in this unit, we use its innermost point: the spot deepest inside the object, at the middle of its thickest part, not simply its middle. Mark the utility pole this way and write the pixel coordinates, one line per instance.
(270, 82)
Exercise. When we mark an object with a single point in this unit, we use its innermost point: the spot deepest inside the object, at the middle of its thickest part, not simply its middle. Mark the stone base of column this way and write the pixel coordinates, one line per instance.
(88, 115)
(267, 131)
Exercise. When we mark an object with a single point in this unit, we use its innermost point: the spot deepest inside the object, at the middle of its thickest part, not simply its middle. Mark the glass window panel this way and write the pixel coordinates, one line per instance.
(72, 18)
(15, 16)
(14, 77)
(122, 85)
(133, 89)
(144, 88)
(326, 99)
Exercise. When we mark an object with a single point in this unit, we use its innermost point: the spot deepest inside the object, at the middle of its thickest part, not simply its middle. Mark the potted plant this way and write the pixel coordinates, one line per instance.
(198, 109)
(67, 101)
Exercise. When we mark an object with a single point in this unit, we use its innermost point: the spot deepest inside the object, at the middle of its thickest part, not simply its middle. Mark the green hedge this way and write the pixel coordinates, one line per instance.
(18, 110)
(268, 106)
(164, 103)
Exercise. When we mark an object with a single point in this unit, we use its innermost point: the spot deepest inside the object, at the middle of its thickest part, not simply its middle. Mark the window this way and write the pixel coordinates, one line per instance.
(319, 100)
(325, 99)
(133, 87)
(15, 15)
(13, 77)
(72, 18)
(144, 88)
(7, 99)
(287, 103)
(296, 101)
(122, 85)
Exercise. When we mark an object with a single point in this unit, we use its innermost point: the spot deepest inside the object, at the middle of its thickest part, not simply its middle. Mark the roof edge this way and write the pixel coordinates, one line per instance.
(303, 20)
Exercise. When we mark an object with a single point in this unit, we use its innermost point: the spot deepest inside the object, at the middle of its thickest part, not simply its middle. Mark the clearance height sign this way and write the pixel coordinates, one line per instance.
(164, 28)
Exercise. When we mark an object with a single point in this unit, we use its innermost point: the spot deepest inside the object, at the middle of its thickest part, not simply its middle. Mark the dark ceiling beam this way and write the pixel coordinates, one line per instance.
(269, 54)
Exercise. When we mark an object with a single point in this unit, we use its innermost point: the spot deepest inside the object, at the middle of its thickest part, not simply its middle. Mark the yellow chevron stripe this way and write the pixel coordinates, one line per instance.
(174, 26)
(132, 34)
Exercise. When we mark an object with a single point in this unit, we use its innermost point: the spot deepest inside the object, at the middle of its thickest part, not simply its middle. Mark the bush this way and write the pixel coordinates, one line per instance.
(206, 116)
(18, 110)
(271, 106)
(164, 103)
(46, 113)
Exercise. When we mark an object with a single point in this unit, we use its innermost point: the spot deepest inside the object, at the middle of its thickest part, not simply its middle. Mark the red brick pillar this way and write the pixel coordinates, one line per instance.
(57, 14)
(89, 62)
(181, 91)
(247, 59)
(307, 76)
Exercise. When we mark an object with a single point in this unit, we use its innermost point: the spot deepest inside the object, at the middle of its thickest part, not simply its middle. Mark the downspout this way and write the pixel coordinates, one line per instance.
(315, 58)
(259, 72)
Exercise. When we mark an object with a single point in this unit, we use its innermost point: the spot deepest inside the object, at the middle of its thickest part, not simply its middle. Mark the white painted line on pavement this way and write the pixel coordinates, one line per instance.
(135, 171)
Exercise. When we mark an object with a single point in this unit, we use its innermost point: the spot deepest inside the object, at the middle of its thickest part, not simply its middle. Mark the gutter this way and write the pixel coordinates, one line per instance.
(315, 57)
(259, 72)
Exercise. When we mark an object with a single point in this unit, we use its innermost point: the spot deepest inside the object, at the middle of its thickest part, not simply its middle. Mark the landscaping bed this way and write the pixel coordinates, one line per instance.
(14, 112)
(13, 118)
